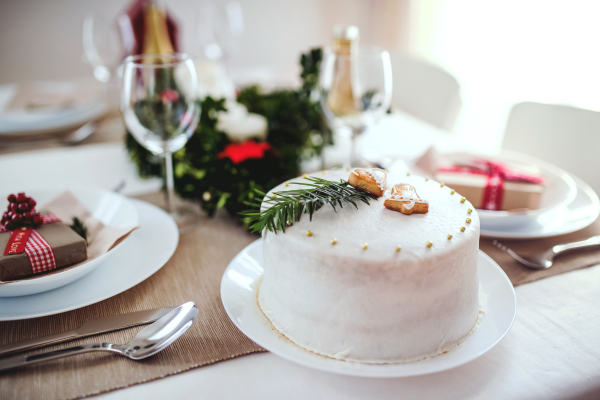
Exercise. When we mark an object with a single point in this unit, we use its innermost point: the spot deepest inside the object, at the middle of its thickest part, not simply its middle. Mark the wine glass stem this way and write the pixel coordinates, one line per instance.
(170, 189)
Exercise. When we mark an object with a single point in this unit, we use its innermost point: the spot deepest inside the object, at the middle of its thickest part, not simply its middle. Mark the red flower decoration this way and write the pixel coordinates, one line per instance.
(169, 95)
(239, 152)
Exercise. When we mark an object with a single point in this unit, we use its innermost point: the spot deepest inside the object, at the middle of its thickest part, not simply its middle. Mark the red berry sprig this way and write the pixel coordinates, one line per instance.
(20, 212)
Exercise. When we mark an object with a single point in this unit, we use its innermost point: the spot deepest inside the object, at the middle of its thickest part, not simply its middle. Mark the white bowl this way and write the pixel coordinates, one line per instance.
(110, 208)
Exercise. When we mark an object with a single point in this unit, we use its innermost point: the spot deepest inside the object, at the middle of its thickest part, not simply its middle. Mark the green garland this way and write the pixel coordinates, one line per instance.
(296, 131)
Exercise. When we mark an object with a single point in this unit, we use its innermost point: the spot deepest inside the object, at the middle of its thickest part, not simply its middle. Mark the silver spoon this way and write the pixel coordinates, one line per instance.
(146, 343)
(545, 259)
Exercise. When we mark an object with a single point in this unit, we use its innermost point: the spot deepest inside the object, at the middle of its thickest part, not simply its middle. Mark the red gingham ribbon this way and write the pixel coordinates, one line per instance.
(49, 218)
(40, 253)
(496, 175)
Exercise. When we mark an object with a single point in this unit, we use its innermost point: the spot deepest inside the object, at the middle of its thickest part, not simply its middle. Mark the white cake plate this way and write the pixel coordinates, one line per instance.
(238, 293)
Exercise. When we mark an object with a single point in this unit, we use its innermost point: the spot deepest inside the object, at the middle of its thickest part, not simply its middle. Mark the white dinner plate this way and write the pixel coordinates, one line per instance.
(110, 208)
(579, 214)
(35, 122)
(149, 248)
(238, 293)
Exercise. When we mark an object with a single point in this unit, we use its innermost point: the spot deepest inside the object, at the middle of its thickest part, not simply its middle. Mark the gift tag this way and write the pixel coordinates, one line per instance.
(17, 241)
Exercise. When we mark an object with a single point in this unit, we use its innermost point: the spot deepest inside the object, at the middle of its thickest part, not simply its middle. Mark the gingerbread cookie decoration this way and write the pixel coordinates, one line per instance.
(404, 198)
(370, 180)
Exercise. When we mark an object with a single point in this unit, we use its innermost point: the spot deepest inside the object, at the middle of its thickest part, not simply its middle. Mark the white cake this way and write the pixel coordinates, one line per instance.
(398, 300)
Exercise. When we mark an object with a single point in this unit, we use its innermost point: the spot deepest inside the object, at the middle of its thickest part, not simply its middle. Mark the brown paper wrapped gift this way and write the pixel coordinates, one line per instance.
(523, 192)
(517, 195)
(68, 248)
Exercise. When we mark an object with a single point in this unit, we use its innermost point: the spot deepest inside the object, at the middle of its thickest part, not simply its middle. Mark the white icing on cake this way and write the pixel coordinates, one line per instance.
(376, 305)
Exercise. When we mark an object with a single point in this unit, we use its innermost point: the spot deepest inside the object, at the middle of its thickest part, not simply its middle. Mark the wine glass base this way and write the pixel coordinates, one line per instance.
(187, 217)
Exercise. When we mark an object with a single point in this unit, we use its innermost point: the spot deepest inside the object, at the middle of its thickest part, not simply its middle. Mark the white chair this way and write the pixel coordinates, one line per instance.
(425, 90)
(566, 136)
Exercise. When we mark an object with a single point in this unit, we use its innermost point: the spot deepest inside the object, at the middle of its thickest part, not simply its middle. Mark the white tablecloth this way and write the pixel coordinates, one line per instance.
(552, 351)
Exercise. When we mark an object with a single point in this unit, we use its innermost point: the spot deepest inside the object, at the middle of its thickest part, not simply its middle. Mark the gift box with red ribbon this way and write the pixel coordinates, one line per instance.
(486, 183)
(492, 186)
(29, 251)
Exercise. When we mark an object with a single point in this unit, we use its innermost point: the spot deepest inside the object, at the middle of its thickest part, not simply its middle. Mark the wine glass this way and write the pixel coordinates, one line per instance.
(219, 29)
(102, 47)
(161, 110)
(103, 50)
(356, 91)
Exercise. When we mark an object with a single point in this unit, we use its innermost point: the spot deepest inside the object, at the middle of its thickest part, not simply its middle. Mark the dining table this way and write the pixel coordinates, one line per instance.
(552, 350)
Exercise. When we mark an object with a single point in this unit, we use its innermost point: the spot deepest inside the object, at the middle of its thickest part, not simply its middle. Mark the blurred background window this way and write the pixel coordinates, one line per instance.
(505, 52)
(501, 52)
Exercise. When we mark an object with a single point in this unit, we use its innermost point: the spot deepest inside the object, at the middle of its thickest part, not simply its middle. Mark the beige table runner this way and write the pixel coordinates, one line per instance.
(194, 273)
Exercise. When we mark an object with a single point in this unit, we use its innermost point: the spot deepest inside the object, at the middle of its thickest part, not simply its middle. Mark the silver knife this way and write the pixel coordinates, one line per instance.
(91, 327)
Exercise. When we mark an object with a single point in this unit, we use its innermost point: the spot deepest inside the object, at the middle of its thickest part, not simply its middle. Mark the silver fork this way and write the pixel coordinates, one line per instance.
(71, 139)
(545, 259)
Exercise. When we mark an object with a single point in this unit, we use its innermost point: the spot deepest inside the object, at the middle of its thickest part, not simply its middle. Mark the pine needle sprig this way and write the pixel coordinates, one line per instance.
(79, 227)
(284, 208)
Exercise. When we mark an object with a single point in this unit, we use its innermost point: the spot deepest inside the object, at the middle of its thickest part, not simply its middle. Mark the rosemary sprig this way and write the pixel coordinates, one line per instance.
(287, 207)
(79, 227)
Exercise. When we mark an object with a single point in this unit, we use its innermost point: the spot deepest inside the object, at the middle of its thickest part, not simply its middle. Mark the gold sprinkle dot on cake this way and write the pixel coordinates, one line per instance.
(408, 174)
(470, 210)
(308, 233)
(462, 228)
(449, 237)
(274, 196)
(442, 184)
(304, 176)
(334, 241)
(468, 220)
(324, 172)
(429, 244)
(462, 199)
(398, 248)
(347, 168)
(365, 246)
(452, 191)
(287, 184)
(387, 170)
(426, 178)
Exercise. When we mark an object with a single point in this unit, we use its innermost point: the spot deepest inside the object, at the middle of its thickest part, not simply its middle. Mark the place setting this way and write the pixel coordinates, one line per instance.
(45, 108)
(530, 210)
(332, 225)
(66, 112)
(117, 229)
